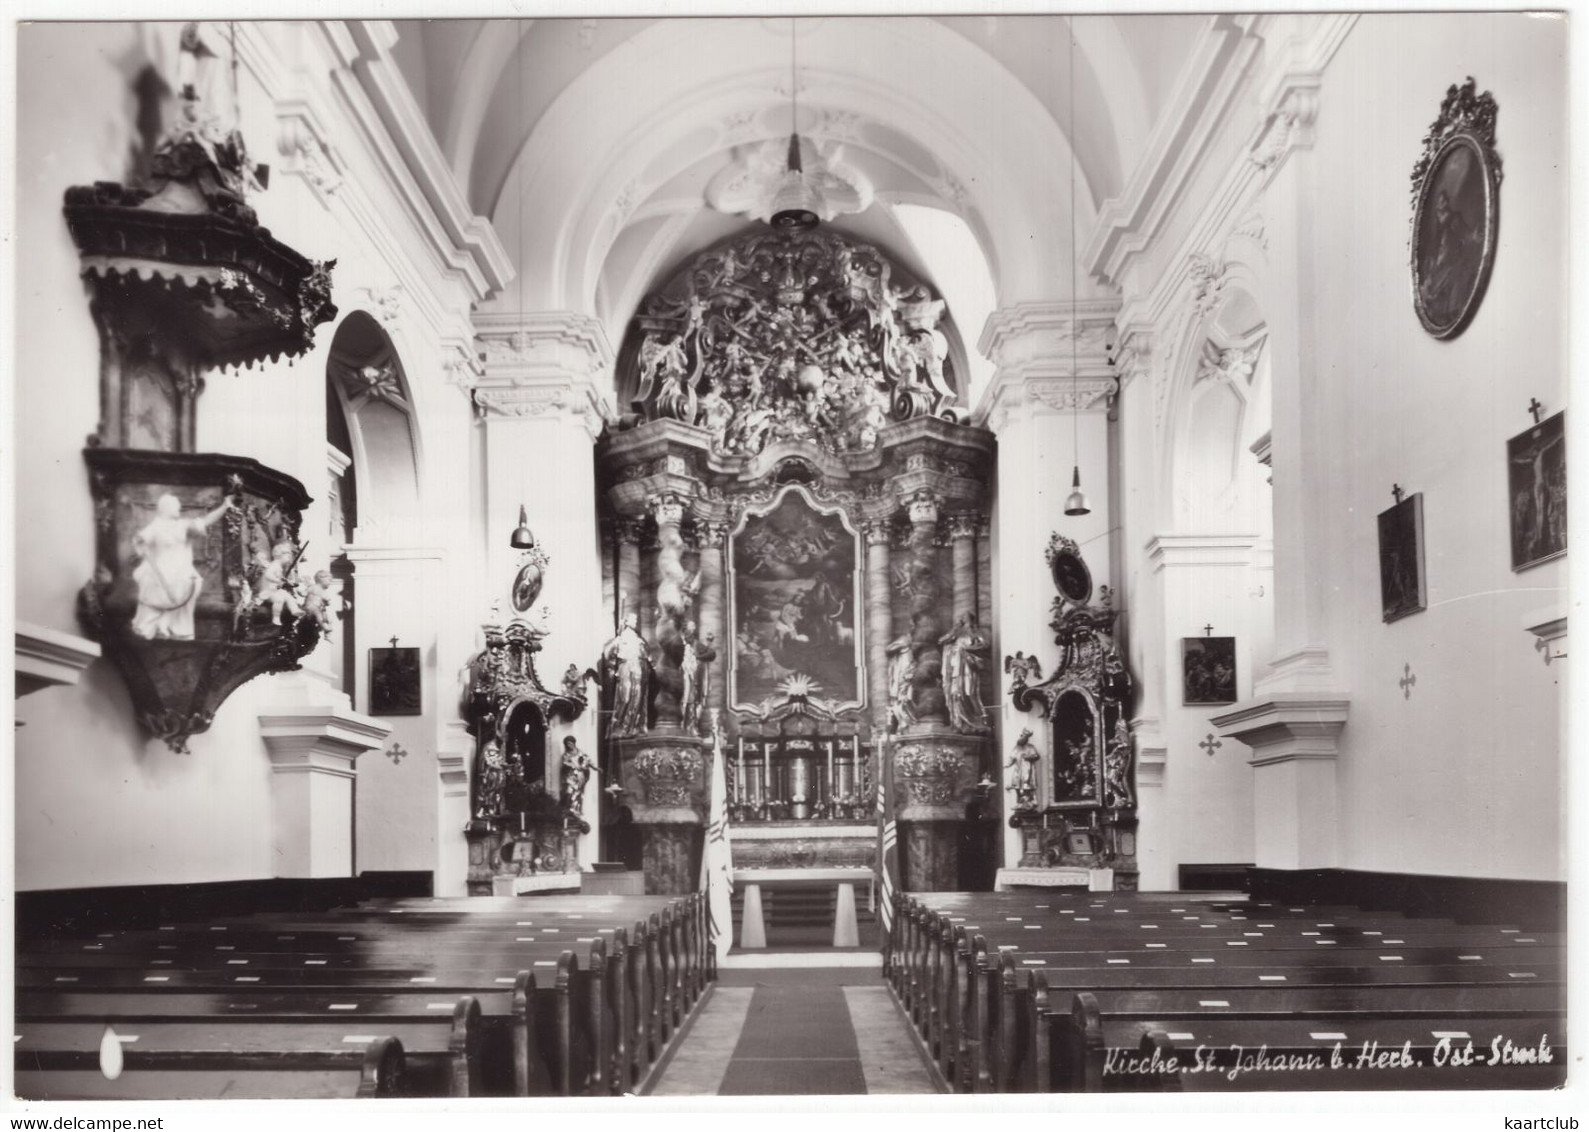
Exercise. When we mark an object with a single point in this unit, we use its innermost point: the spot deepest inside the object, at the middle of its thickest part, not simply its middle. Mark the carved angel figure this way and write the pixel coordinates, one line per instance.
(323, 603)
(1022, 670)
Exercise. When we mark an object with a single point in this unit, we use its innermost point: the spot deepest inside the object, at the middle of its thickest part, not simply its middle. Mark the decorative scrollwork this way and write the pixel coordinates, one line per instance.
(668, 775)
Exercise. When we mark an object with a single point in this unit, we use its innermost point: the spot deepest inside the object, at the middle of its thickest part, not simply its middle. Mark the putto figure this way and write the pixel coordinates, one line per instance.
(625, 669)
(168, 584)
(279, 582)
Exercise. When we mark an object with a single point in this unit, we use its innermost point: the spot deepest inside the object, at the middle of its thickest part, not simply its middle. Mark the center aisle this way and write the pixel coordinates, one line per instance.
(797, 1031)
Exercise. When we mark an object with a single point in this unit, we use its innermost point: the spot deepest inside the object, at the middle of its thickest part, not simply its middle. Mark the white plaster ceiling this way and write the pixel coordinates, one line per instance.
(602, 134)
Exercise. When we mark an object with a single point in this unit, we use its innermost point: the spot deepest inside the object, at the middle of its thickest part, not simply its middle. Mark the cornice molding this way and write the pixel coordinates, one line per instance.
(431, 190)
(310, 112)
(1221, 57)
(1168, 551)
(319, 738)
(1287, 727)
(544, 363)
(48, 657)
(1284, 80)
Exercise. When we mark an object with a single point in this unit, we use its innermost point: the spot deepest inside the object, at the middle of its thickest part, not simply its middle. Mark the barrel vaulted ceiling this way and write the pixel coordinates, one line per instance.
(589, 143)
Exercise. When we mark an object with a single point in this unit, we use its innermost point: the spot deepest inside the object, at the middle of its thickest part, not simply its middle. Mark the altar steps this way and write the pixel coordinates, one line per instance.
(802, 915)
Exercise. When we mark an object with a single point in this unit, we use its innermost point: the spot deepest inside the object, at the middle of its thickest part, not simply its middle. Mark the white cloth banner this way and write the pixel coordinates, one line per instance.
(717, 863)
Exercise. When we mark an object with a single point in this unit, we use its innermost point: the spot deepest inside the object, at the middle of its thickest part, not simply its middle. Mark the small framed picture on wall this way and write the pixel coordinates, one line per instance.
(395, 682)
(1401, 576)
(1536, 481)
(1208, 666)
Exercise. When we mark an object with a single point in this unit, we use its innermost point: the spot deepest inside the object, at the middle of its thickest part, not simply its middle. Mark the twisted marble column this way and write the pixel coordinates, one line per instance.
(672, 606)
(962, 536)
(628, 530)
(879, 615)
(713, 537)
(925, 622)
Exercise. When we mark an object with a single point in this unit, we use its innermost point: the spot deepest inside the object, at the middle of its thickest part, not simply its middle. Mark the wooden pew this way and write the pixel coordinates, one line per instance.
(634, 996)
(970, 992)
(377, 1071)
(440, 1056)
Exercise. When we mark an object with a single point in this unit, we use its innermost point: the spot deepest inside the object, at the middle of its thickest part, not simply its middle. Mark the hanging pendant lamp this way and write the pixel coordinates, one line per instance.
(796, 203)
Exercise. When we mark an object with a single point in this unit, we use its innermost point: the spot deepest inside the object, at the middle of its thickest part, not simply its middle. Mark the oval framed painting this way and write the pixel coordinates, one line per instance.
(527, 586)
(1071, 577)
(1456, 213)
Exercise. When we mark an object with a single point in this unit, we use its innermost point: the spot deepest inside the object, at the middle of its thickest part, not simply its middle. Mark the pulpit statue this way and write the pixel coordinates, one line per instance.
(625, 664)
(168, 583)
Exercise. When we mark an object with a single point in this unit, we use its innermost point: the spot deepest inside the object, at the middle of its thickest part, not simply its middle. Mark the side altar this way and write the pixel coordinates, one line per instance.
(795, 545)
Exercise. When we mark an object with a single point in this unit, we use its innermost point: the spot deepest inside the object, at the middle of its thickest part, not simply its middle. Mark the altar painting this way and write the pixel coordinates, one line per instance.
(794, 602)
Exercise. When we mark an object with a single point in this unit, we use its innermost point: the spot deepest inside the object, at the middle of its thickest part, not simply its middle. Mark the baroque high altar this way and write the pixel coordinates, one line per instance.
(797, 558)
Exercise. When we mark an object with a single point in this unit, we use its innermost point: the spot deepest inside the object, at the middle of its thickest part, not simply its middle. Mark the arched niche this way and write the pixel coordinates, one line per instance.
(523, 738)
(367, 380)
(1214, 481)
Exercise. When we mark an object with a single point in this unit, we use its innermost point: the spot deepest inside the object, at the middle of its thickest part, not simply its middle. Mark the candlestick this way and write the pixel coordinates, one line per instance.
(831, 780)
(739, 779)
(766, 769)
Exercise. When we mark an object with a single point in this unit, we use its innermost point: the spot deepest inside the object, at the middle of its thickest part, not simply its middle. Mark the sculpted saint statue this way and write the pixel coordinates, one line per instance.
(577, 766)
(962, 674)
(168, 584)
(901, 690)
(624, 663)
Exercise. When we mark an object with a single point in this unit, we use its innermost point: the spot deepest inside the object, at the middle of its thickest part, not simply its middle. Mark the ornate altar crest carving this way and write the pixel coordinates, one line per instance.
(792, 336)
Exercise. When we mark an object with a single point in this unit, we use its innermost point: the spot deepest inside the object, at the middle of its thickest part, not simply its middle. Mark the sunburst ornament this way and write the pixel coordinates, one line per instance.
(798, 685)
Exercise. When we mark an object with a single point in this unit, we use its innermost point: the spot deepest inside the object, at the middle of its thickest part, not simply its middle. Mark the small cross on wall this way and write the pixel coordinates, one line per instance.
(1208, 630)
(1535, 408)
(394, 642)
(1210, 745)
(397, 754)
(1396, 490)
(1407, 681)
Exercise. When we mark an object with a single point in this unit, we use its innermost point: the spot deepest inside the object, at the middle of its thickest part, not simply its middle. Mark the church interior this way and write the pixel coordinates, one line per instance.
(702, 556)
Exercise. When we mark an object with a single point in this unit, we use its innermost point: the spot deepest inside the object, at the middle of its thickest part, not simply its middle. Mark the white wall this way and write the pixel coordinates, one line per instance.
(97, 803)
(1465, 776)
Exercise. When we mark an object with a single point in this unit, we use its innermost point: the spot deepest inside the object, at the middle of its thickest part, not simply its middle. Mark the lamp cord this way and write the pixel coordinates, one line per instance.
(1075, 331)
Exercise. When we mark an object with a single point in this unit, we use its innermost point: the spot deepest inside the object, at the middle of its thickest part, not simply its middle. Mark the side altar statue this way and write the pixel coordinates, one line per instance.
(1076, 804)
(526, 800)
